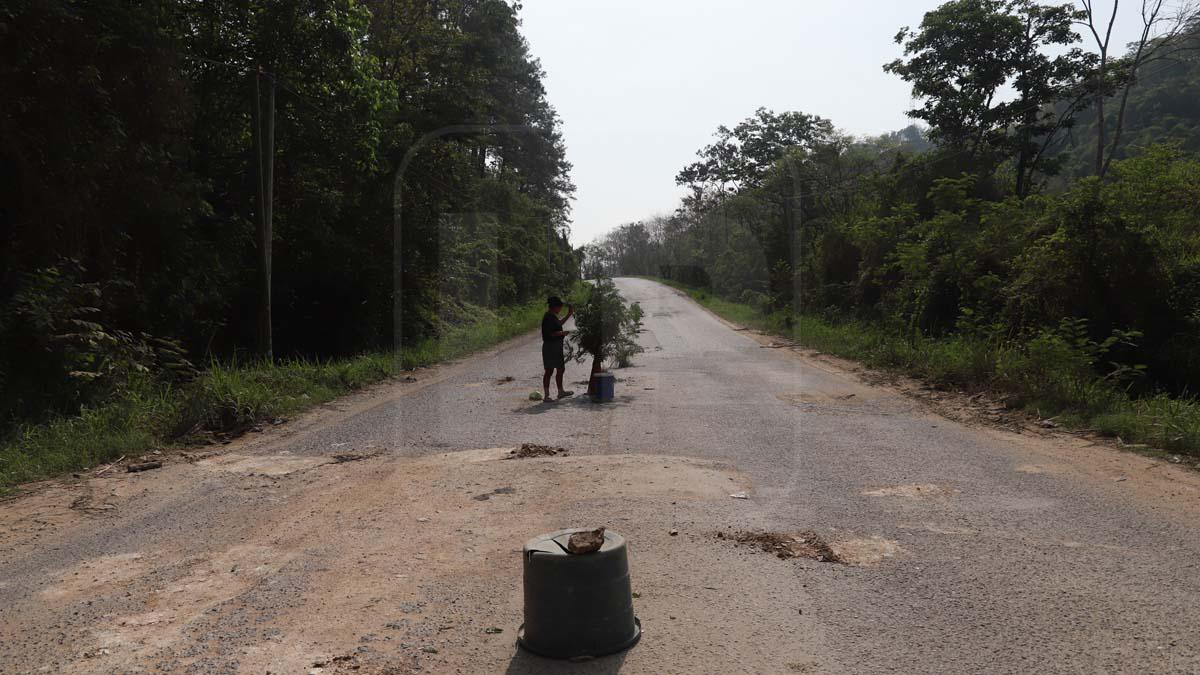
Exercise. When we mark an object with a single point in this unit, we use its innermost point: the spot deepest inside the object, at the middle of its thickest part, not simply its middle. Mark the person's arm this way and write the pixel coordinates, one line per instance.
(549, 322)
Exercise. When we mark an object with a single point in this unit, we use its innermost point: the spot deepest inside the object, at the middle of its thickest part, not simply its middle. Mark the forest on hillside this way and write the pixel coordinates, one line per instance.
(1060, 222)
(418, 175)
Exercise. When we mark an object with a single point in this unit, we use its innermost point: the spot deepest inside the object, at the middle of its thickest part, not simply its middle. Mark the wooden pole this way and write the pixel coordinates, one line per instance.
(269, 235)
(264, 150)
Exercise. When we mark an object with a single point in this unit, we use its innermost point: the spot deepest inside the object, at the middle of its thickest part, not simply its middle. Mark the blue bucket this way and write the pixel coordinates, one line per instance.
(606, 386)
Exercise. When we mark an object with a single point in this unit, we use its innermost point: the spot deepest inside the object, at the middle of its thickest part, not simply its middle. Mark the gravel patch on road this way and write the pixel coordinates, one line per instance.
(784, 546)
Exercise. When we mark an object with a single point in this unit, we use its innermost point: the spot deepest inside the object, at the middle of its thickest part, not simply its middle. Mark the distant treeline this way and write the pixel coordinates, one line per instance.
(129, 179)
(1010, 221)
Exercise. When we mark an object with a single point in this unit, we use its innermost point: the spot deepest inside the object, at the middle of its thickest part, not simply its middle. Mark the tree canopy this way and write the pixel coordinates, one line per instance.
(129, 179)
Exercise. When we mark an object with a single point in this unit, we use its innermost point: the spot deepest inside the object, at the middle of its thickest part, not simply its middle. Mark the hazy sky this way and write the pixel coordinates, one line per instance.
(642, 85)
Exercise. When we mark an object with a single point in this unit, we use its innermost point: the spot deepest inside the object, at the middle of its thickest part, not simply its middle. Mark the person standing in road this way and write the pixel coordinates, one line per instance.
(552, 346)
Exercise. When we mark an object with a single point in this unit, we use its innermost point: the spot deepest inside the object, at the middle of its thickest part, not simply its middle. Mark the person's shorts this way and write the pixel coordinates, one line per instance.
(552, 355)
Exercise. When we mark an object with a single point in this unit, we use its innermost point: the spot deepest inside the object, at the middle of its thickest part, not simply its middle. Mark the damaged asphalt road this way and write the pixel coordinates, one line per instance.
(382, 533)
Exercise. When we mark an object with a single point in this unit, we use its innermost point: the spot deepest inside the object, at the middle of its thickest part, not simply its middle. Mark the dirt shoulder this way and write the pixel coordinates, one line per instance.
(407, 565)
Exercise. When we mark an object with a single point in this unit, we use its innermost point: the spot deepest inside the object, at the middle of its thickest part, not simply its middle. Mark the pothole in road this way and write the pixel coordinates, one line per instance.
(263, 465)
(353, 457)
(1034, 468)
(865, 552)
(92, 576)
(498, 491)
(915, 491)
(806, 544)
(817, 397)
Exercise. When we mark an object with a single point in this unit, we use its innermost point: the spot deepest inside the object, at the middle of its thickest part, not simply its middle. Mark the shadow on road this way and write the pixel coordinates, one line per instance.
(574, 403)
(524, 663)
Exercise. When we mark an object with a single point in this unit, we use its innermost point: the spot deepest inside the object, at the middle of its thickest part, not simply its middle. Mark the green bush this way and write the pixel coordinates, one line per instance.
(605, 326)
(61, 353)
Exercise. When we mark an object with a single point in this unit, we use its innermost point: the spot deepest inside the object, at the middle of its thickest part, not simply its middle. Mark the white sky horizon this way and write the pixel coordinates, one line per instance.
(641, 85)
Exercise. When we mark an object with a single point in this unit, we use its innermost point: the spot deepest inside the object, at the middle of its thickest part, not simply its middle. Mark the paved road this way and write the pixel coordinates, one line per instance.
(983, 551)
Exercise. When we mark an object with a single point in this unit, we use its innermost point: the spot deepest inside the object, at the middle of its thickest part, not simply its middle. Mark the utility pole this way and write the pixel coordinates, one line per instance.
(793, 214)
(264, 151)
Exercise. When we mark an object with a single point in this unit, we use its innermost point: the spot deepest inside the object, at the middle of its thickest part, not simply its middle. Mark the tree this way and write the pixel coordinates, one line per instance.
(742, 156)
(605, 327)
(465, 62)
(1162, 28)
(127, 170)
(964, 55)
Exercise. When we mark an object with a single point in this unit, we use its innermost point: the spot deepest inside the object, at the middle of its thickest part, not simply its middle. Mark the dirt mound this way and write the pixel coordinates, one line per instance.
(801, 545)
(528, 450)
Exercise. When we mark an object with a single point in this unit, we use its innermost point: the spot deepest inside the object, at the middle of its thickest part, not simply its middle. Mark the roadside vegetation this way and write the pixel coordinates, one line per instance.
(144, 413)
(1046, 246)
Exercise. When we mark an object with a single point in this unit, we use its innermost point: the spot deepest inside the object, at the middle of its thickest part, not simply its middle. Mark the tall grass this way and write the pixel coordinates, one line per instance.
(231, 396)
(1043, 381)
(488, 328)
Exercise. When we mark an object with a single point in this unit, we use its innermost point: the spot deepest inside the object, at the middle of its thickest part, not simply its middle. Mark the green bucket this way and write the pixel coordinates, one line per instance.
(577, 606)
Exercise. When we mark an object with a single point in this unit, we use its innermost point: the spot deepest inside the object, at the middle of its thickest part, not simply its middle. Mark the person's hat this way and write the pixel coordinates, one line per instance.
(554, 301)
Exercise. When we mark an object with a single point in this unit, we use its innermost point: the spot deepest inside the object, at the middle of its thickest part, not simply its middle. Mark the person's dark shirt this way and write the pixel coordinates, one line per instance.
(550, 326)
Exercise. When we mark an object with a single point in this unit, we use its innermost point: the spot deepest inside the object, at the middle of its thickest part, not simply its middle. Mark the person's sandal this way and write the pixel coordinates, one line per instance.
(564, 394)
